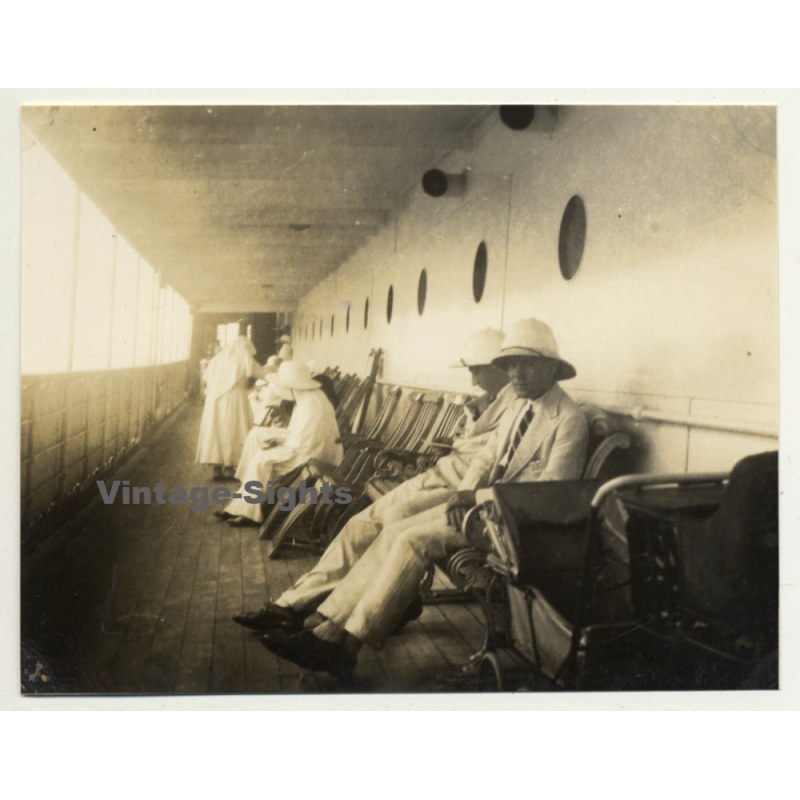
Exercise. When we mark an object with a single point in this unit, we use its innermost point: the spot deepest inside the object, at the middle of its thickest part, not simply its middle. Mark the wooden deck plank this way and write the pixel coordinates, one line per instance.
(141, 598)
(131, 657)
(261, 669)
(194, 668)
(161, 668)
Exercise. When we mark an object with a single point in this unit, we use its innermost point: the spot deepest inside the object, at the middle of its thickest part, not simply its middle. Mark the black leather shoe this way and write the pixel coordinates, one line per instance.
(272, 618)
(219, 513)
(414, 611)
(242, 522)
(309, 652)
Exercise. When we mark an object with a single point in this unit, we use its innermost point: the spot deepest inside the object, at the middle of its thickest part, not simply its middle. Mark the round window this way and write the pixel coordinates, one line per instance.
(572, 238)
(422, 291)
(347, 321)
(479, 272)
(389, 303)
(331, 326)
(366, 312)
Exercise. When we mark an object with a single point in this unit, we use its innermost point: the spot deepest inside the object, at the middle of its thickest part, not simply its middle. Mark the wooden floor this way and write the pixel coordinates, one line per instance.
(132, 599)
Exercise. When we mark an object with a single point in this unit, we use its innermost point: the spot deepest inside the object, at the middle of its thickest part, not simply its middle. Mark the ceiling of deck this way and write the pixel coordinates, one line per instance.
(245, 208)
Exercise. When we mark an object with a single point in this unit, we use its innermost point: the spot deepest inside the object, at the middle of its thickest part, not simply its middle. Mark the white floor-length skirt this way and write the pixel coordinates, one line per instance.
(224, 427)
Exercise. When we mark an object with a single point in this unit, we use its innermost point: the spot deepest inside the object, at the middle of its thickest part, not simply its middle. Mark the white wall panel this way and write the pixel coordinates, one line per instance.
(675, 302)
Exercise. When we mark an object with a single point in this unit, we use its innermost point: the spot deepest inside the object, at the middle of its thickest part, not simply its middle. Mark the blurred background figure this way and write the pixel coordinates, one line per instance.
(273, 362)
(227, 417)
(285, 353)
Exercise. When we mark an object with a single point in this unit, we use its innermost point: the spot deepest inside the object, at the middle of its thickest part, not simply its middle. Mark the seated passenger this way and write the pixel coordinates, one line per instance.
(422, 492)
(270, 453)
(543, 435)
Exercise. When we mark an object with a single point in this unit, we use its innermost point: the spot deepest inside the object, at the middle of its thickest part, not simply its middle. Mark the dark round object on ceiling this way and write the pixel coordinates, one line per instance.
(517, 117)
(434, 183)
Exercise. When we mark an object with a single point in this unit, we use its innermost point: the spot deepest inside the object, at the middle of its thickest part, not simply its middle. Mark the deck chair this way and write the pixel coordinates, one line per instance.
(699, 610)
(465, 569)
(395, 466)
(704, 578)
(332, 518)
(288, 523)
(356, 466)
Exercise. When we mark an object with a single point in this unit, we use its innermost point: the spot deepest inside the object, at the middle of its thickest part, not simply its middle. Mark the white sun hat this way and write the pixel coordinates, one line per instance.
(480, 349)
(293, 375)
(532, 338)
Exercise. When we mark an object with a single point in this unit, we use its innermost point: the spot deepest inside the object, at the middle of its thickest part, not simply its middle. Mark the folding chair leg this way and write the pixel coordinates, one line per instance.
(282, 535)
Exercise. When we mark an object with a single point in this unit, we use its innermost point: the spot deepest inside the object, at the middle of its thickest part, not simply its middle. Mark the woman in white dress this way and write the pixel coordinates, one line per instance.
(272, 453)
(227, 417)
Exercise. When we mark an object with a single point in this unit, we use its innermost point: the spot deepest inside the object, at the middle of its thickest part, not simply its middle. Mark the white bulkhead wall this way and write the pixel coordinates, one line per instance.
(674, 307)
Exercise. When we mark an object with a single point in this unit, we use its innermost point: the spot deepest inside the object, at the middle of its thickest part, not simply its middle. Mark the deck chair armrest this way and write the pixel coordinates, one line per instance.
(320, 469)
(395, 459)
(466, 568)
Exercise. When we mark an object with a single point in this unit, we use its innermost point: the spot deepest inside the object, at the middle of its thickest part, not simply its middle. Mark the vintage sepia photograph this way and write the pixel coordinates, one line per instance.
(380, 399)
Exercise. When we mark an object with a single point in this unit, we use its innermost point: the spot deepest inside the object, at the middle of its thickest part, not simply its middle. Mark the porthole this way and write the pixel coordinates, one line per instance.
(422, 291)
(479, 272)
(313, 331)
(331, 326)
(347, 321)
(389, 303)
(306, 335)
(320, 330)
(572, 238)
(366, 312)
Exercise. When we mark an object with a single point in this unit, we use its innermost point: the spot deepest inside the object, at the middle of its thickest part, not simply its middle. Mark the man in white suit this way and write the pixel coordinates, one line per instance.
(542, 436)
(423, 492)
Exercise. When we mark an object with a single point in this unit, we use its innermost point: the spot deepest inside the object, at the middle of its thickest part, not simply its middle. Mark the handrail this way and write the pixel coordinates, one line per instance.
(639, 413)
(418, 388)
(664, 479)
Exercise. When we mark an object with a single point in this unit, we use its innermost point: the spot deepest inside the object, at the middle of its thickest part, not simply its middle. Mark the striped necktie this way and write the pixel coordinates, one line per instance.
(522, 429)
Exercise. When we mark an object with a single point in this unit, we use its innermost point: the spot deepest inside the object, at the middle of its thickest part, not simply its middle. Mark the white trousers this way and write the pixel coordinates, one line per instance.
(257, 464)
(355, 538)
(370, 601)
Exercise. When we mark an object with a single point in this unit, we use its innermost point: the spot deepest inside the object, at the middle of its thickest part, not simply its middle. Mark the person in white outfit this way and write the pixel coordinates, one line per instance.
(285, 353)
(271, 453)
(227, 417)
(425, 491)
(542, 436)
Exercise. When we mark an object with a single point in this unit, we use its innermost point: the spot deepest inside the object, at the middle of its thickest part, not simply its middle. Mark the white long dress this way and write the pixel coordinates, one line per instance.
(227, 417)
(312, 433)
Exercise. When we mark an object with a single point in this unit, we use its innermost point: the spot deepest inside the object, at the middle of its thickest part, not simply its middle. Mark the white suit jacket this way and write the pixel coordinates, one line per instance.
(552, 449)
(450, 469)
